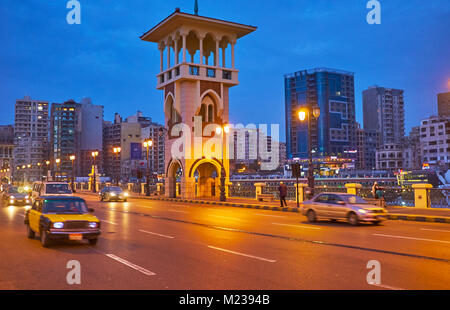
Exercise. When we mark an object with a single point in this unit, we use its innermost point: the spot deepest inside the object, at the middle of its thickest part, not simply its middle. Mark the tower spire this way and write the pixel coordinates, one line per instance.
(196, 7)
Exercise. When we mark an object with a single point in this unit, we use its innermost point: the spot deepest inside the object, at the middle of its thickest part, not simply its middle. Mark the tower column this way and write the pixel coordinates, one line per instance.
(216, 55)
(232, 55)
(184, 47)
(176, 53)
(223, 57)
(200, 39)
(168, 56)
(161, 50)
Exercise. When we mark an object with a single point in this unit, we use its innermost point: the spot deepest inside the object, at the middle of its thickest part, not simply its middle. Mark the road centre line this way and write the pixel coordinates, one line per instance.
(131, 265)
(108, 222)
(299, 226)
(441, 230)
(412, 238)
(179, 211)
(242, 254)
(226, 217)
(270, 215)
(152, 233)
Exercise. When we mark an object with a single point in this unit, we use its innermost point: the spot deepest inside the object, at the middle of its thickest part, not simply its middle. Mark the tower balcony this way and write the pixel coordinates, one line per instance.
(195, 71)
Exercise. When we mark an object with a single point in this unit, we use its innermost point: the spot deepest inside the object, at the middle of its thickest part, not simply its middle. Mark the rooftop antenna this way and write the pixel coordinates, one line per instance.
(196, 7)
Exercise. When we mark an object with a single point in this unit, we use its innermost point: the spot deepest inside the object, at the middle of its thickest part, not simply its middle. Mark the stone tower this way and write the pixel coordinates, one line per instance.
(197, 69)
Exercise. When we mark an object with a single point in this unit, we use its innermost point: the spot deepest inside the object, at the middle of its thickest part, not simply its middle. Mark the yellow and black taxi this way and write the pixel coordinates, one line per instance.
(63, 218)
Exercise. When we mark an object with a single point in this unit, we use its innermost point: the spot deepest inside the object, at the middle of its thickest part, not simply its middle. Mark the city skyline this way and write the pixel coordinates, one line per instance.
(124, 68)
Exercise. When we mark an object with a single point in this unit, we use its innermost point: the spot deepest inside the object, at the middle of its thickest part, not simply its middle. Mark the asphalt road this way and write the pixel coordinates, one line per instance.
(160, 245)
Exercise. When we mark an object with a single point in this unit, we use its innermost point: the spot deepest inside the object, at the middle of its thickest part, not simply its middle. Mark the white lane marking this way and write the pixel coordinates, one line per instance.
(152, 233)
(299, 226)
(242, 254)
(108, 222)
(412, 238)
(387, 287)
(226, 217)
(177, 211)
(441, 230)
(269, 215)
(131, 265)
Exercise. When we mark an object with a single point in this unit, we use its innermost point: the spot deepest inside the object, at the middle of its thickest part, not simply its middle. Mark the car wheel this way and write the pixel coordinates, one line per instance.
(93, 241)
(124, 200)
(311, 215)
(44, 239)
(30, 232)
(376, 222)
(352, 218)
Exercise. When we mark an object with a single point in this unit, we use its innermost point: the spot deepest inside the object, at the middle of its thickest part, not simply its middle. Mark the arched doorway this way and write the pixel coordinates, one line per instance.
(207, 178)
(174, 174)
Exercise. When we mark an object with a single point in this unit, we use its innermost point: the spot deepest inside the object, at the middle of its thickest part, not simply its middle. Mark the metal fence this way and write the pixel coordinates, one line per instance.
(438, 198)
(393, 196)
(242, 190)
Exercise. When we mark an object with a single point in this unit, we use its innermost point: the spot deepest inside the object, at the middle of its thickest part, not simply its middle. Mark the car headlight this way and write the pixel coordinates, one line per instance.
(58, 225)
(26, 197)
(362, 211)
(93, 224)
(26, 188)
(12, 197)
(125, 194)
(112, 194)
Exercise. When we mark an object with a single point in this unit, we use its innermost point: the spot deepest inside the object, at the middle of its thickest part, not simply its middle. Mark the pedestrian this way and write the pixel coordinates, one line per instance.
(283, 193)
(375, 188)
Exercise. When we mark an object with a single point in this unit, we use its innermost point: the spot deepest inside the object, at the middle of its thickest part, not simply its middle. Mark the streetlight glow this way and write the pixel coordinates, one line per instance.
(302, 115)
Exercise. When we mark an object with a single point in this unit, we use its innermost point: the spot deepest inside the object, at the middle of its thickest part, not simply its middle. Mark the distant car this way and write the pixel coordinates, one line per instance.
(13, 197)
(51, 188)
(341, 206)
(64, 218)
(113, 193)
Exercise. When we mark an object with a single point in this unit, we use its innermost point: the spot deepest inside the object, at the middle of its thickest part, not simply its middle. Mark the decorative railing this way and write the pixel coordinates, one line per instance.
(438, 198)
(242, 191)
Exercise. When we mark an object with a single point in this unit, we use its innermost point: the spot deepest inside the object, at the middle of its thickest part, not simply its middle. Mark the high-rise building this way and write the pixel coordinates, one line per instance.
(31, 138)
(444, 104)
(91, 136)
(383, 111)
(411, 150)
(65, 138)
(334, 133)
(435, 141)
(6, 150)
(155, 132)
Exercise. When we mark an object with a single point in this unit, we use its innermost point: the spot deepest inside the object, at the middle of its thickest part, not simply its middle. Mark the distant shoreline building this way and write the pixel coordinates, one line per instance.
(443, 104)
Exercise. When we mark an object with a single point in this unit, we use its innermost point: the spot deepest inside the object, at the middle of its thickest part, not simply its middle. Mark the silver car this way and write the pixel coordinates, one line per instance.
(342, 206)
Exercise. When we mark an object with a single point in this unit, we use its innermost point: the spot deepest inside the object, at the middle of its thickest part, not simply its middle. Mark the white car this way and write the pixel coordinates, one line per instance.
(50, 189)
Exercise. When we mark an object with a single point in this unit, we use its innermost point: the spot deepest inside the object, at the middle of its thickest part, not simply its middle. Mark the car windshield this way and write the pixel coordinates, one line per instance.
(58, 189)
(115, 189)
(13, 190)
(352, 199)
(64, 206)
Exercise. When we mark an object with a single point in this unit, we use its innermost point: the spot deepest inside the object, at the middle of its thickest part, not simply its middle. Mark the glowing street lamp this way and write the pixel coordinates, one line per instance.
(147, 144)
(72, 159)
(309, 112)
(94, 188)
(222, 130)
(117, 151)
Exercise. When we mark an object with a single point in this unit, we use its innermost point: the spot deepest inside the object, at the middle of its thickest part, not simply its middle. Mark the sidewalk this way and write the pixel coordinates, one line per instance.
(394, 213)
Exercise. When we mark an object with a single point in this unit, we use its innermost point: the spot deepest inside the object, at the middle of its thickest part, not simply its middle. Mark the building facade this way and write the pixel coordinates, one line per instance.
(435, 141)
(334, 133)
(31, 138)
(6, 151)
(383, 111)
(389, 157)
(443, 104)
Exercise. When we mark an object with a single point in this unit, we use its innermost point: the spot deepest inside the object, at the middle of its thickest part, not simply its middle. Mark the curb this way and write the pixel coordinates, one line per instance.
(389, 216)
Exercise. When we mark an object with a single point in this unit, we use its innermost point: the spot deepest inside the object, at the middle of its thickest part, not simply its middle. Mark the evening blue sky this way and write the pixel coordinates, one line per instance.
(103, 58)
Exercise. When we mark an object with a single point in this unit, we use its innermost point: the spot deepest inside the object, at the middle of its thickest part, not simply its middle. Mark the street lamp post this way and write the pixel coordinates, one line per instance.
(147, 144)
(72, 158)
(309, 112)
(94, 187)
(117, 151)
(57, 161)
(222, 131)
(47, 165)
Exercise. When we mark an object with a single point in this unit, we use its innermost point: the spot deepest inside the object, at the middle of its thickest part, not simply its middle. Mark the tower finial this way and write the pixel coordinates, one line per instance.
(196, 7)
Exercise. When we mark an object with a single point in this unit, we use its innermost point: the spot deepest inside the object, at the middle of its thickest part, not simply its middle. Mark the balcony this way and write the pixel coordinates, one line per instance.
(194, 71)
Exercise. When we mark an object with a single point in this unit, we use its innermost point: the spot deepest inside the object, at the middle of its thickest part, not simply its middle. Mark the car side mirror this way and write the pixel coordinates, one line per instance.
(91, 210)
